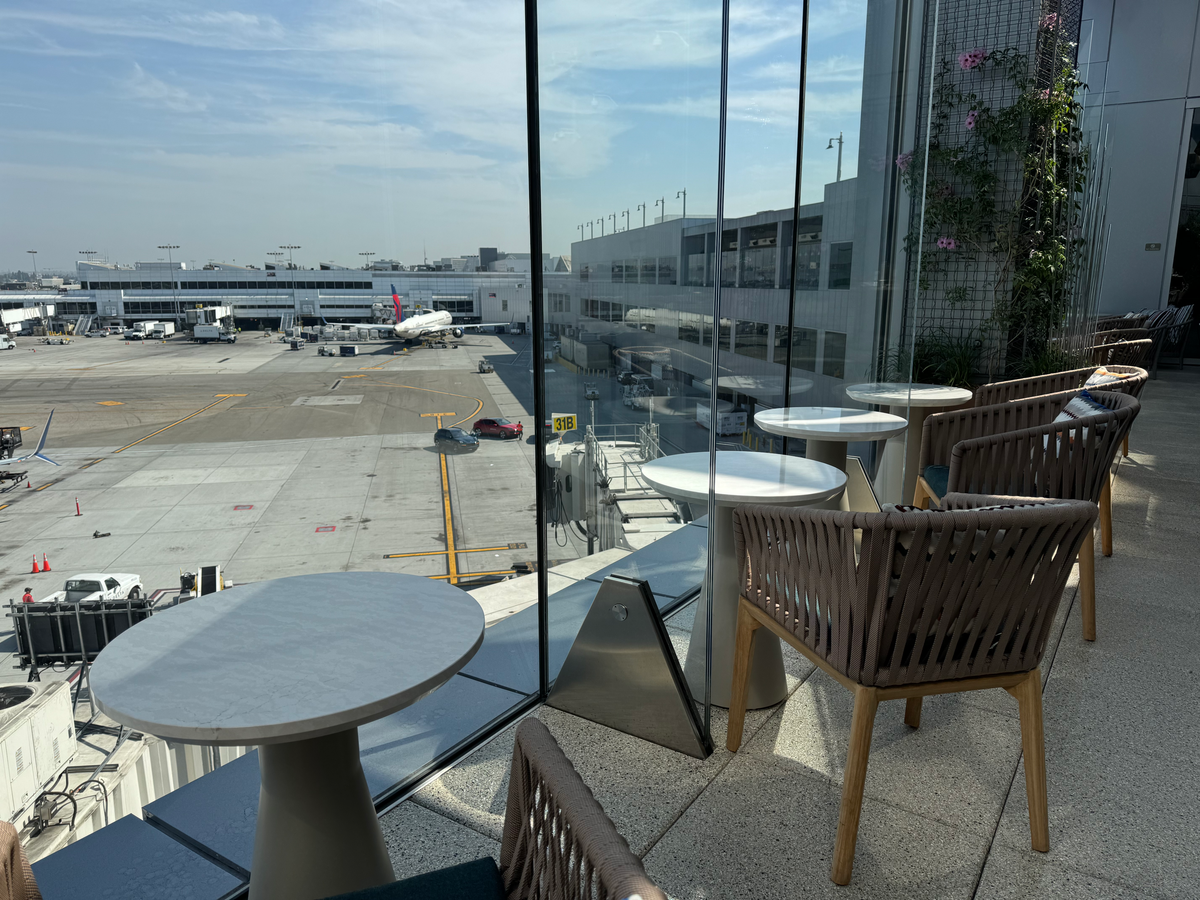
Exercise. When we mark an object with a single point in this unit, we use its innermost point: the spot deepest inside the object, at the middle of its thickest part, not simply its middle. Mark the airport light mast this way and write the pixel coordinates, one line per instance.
(368, 254)
(291, 265)
(37, 281)
(171, 269)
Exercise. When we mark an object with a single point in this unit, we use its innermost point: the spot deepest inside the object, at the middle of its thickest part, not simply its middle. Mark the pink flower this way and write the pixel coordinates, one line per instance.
(971, 59)
(1050, 21)
(1045, 95)
(971, 117)
(947, 243)
(903, 161)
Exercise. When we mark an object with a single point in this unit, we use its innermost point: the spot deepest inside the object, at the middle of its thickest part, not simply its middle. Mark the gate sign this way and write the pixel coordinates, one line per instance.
(564, 422)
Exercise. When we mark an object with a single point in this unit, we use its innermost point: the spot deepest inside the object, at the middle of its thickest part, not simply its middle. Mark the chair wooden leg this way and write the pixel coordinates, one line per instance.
(1087, 587)
(1125, 445)
(1106, 518)
(920, 496)
(1033, 748)
(912, 712)
(747, 625)
(866, 701)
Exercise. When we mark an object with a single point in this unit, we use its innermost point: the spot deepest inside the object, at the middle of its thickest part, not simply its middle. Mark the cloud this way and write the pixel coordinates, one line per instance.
(144, 86)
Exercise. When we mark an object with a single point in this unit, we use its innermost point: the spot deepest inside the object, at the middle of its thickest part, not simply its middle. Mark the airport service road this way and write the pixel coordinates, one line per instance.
(267, 461)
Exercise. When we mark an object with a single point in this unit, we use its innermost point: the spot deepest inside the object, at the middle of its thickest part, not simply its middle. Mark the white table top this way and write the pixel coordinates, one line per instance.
(900, 393)
(768, 388)
(745, 477)
(287, 659)
(830, 423)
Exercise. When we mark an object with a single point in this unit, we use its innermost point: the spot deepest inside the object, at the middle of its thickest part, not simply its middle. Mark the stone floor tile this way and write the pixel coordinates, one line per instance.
(956, 768)
(766, 832)
(643, 787)
(420, 841)
(1116, 814)
(1026, 875)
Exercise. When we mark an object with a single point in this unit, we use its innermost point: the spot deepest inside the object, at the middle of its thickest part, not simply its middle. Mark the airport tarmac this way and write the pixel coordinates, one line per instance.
(268, 461)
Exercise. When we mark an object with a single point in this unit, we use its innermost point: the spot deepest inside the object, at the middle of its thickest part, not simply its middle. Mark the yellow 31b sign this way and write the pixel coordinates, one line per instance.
(564, 422)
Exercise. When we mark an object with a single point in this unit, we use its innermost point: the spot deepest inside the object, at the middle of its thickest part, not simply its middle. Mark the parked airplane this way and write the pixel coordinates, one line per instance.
(36, 454)
(433, 324)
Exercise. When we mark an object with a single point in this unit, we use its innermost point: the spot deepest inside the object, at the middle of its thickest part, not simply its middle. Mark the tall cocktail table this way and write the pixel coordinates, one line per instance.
(742, 477)
(897, 475)
(294, 666)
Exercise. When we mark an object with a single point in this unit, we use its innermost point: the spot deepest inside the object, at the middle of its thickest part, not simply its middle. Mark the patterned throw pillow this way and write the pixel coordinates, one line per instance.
(1102, 376)
(1080, 407)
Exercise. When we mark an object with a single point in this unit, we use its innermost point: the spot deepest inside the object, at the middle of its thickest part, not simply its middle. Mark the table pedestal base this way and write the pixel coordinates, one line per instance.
(832, 453)
(768, 685)
(317, 833)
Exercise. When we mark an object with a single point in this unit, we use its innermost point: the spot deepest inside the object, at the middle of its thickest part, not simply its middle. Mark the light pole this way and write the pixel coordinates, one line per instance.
(683, 194)
(642, 207)
(626, 215)
(171, 269)
(613, 216)
(368, 254)
(591, 230)
(580, 232)
(663, 204)
(292, 266)
(37, 281)
(830, 147)
(601, 221)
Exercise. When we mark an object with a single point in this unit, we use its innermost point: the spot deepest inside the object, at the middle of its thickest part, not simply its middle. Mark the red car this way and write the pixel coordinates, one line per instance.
(501, 428)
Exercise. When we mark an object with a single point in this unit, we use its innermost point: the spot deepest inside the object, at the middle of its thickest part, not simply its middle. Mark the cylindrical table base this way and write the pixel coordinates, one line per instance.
(768, 685)
(317, 834)
(832, 453)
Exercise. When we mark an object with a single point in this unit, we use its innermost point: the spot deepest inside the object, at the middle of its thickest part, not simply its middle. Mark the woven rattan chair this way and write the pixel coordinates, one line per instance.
(1122, 353)
(16, 877)
(935, 602)
(557, 844)
(1057, 382)
(1018, 449)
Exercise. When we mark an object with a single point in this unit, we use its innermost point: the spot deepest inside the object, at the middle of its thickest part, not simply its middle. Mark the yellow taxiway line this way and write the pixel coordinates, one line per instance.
(443, 552)
(222, 399)
(474, 575)
(451, 556)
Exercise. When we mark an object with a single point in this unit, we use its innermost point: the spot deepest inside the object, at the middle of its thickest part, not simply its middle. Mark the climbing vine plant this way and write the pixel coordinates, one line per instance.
(1002, 188)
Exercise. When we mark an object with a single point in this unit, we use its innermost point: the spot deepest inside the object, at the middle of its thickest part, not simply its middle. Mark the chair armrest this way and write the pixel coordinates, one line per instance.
(1020, 388)
(943, 431)
(557, 841)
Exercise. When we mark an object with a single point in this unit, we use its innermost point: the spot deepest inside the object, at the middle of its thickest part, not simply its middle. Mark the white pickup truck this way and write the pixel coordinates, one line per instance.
(97, 586)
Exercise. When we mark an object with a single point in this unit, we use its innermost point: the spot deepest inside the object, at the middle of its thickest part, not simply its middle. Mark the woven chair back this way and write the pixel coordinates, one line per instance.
(933, 595)
(1029, 455)
(1035, 386)
(1122, 353)
(558, 844)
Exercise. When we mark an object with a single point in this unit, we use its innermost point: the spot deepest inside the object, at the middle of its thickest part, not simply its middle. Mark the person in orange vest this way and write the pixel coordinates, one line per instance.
(27, 597)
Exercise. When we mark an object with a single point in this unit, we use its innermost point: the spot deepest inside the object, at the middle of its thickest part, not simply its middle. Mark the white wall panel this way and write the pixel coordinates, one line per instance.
(1144, 163)
(1150, 51)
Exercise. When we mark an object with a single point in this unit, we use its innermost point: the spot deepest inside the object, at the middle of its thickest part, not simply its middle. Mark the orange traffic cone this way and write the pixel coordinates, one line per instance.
(35, 567)
(45, 563)
(28, 484)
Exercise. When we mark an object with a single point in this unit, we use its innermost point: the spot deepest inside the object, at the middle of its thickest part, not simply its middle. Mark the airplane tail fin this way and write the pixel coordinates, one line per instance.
(396, 304)
(42, 442)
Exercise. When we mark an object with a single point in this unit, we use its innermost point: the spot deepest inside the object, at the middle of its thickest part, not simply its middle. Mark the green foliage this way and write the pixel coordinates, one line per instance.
(1001, 190)
(938, 358)
(1048, 358)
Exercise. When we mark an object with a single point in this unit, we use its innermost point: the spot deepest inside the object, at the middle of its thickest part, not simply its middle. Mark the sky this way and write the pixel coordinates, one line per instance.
(396, 127)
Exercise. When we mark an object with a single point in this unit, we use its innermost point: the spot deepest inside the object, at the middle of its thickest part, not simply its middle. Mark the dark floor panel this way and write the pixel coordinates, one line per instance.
(673, 566)
(395, 747)
(217, 811)
(509, 652)
(133, 861)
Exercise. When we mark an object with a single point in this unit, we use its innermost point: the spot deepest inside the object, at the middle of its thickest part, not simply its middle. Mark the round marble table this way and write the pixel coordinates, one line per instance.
(294, 666)
(897, 476)
(742, 477)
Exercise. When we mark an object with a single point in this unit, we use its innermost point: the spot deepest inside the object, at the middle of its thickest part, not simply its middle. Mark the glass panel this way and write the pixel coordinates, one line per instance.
(631, 123)
(334, 468)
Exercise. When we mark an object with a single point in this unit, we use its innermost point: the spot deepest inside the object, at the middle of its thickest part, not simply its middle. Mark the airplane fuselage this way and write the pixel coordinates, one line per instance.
(424, 325)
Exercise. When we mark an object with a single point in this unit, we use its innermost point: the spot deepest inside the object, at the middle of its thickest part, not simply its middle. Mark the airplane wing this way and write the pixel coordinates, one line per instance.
(36, 454)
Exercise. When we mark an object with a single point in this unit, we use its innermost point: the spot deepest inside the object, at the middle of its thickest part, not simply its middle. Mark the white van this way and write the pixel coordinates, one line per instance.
(7, 343)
